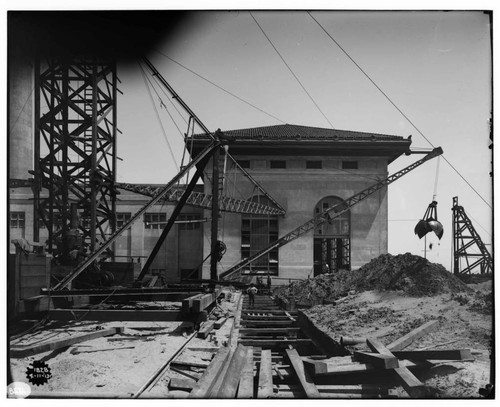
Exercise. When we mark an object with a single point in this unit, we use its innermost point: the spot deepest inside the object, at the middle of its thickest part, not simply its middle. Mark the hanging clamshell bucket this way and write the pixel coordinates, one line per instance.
(429, 223)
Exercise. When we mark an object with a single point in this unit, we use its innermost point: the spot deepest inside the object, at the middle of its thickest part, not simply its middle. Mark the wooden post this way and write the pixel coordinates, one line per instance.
(304, 377)
(215, 212)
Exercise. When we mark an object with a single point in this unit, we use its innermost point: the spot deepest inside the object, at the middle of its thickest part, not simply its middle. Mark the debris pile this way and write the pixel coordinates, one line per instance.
(413, 275)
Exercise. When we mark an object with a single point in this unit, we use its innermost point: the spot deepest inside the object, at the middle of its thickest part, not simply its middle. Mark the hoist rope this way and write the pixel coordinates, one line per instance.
(396, 107)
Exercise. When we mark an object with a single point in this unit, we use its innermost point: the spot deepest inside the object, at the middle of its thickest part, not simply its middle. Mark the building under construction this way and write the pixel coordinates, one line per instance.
(284, 207)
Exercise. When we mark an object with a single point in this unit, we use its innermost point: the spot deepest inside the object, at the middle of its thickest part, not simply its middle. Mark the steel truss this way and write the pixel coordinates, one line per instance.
(465, 238)
(75, 149)
(204, 201)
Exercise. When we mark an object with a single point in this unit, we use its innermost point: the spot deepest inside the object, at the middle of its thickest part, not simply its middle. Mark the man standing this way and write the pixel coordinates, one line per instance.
(251, 291)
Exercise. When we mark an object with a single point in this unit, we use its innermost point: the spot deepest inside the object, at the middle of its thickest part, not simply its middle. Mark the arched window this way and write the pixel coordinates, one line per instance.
(257, 233)
(332, 240)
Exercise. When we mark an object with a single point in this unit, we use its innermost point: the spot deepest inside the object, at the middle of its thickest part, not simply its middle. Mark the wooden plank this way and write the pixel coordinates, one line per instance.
(189, 364)
(414, 387)
(199, 304)
(181, 384)
(22, 351)
(289, 316)
(273, 342)
(321, 368)
(303, 376)
(220, 322)
(269, 324)
(206, 329)
(269, 330)
(192, 375)
(203, 348)
(265, 389)
(187, 303)
(246, 386)
(207, 380)
(378, 360)
(273, 312)
(341, 389)
(233, 374)
(444, 354)
(321, 340)
(412, 336)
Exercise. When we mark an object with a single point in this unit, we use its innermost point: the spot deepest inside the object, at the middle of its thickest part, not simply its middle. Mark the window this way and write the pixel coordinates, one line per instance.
(244, 163)
(349, 165)
(278, 164)
(17, 220)
(155, 220)
(186, 221)
(314, 165)
(257, 233)
(122, 218)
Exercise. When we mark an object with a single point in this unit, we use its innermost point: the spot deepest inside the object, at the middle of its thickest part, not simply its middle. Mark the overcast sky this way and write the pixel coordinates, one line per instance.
(434, 66)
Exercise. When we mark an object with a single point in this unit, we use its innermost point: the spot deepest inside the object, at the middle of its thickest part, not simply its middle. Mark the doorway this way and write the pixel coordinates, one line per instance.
(332, 242)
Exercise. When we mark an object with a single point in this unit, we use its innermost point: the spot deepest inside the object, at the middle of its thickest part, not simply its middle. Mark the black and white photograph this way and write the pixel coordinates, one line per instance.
(249, 203)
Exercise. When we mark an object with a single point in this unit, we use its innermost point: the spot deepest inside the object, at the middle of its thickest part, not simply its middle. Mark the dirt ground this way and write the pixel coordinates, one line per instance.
(119, 371)
(465, 322)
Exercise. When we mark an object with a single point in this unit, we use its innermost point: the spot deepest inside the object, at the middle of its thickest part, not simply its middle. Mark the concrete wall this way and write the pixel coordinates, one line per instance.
(299, 190)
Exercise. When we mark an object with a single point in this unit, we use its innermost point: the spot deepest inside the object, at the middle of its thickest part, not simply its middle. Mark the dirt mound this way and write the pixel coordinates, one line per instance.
(411, 274)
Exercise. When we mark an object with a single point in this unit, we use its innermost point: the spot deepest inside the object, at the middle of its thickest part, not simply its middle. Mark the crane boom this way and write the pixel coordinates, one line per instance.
(235, 271)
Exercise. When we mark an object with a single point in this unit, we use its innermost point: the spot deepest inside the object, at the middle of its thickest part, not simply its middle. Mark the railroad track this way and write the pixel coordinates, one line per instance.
(276, 348)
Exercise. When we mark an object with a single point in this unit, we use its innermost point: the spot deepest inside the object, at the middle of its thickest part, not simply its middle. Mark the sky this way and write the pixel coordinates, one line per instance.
(434, 66)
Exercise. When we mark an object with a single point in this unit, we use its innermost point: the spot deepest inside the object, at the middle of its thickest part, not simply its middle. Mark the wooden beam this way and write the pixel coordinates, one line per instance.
(189, 364)
(414, 387)
(206, 329)
(181, 384)
(190, 374)
(303, 376)
(267, 318)
(265, 389)
(444, 354)
(187, 303)
(207, 380)
(274, 342)
(412, 336)
(220, 322)
(378, 360)
(269, 324)
(265, 331)
(200, 303)
(22, 351)
(327, 368)
(271, 311)
(204, 348)
(245, 388)
(233, 374)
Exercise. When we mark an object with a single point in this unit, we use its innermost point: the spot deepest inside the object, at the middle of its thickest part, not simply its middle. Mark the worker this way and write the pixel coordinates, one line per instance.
(251, 291)
(327, 268)
(260, 283)
(268, 281)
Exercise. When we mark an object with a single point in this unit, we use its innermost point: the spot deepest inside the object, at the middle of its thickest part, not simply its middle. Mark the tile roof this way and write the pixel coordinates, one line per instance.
(302, 133)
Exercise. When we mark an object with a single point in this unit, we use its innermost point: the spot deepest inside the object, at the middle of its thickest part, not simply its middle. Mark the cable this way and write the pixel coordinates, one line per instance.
(396, 107)
(290, 69)
(159, 120)
(220, 87)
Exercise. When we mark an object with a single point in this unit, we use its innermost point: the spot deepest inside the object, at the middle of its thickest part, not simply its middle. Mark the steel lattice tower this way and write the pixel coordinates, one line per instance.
(75, 149)
(466, 238)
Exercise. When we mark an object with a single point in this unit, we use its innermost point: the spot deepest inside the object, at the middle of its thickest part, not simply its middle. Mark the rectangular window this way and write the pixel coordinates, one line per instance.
(17, 220)
(189, 221)
(349, 165)
(257, 233)
(278, 164)
(122, 218)
(155, 220)
(314, 165)
(244, 163)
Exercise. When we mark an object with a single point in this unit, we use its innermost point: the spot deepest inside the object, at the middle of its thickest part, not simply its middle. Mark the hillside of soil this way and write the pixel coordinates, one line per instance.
(410, 274)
